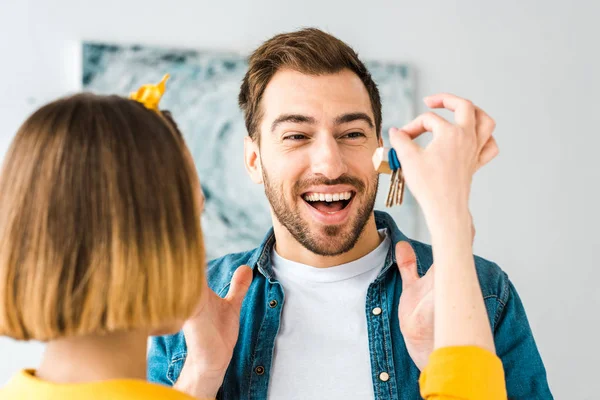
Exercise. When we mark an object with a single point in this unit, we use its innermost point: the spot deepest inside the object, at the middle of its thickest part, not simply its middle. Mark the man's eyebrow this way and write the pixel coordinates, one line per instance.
(345, 118)
(295, 118)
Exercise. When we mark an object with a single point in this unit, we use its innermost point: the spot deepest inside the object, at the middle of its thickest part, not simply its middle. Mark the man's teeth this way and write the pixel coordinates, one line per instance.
(328, 197)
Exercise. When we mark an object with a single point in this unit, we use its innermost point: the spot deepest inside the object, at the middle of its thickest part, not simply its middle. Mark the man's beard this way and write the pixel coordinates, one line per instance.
(338, 241)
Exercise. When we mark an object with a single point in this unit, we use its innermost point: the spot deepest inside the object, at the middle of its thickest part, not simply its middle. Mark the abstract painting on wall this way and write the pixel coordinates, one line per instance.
(202, 95)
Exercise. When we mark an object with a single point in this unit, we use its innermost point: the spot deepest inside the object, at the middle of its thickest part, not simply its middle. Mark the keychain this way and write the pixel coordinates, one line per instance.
(386, 161)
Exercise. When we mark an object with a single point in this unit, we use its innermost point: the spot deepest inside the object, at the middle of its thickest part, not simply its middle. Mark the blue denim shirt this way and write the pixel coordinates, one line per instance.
(248, 374)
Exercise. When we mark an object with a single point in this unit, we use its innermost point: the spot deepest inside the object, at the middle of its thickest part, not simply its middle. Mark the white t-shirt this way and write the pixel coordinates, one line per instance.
(322, 348)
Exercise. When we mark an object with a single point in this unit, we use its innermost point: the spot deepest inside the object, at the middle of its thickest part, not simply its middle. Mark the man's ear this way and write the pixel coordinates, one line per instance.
(380, 141)
(252, 160)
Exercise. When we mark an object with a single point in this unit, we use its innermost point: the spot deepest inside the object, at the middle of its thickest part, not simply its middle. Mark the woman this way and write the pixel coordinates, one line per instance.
(100, 244)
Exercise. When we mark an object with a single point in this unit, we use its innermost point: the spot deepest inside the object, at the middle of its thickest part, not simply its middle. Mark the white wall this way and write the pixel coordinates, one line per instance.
(530, 64)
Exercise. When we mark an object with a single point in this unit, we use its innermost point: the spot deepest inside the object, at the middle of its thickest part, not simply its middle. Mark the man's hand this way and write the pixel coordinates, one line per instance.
(211, 334)
(416, 307)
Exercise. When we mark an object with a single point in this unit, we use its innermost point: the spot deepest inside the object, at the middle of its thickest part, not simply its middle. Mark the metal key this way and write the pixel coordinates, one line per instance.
(386, 161)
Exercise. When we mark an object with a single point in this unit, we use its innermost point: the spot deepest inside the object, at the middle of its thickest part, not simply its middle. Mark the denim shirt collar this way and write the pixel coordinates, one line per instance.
(261, 258)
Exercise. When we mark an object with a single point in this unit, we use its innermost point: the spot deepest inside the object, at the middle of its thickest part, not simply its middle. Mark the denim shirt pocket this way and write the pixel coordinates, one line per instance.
(175, 367)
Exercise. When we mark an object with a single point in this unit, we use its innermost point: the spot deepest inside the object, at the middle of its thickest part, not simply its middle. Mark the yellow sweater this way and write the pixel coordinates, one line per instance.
(457, 373)
(463, 373)
(25, 386)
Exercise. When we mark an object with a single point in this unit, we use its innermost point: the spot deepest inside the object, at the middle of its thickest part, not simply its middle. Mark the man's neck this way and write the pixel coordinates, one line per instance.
(95, 358)
(289, 248)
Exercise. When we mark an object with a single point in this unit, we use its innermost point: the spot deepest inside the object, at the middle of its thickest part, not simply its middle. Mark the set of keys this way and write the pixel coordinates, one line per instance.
(385, 161)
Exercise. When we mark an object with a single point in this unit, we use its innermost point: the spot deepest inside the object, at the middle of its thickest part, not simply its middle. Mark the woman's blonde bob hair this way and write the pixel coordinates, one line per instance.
(99, 222)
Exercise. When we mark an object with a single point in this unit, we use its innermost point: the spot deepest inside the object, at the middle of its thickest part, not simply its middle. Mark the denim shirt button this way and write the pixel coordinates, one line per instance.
(384, 377)
(273, 303)
(377, 311)
(259, 370)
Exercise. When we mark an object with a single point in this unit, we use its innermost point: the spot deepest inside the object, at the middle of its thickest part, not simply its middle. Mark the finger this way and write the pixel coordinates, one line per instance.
(485, 127)
(427, 122)
(464, 110)
(406, 260)
(205, 294)
(402, 143)
(240, 283)
(428, 278)
(488, 153)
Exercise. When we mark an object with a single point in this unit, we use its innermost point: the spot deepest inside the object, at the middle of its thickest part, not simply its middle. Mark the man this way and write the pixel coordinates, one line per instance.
(338, 302)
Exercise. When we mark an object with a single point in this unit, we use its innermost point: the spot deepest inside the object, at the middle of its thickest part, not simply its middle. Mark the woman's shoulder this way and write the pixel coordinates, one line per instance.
(25, 385)
(134, 389)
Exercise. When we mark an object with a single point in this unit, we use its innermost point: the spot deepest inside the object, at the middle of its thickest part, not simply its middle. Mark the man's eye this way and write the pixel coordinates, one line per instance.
(295, 137)
(354, 135)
